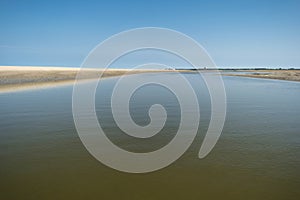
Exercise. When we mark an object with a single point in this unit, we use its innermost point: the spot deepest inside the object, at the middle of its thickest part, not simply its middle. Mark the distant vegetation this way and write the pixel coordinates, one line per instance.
(237, 69)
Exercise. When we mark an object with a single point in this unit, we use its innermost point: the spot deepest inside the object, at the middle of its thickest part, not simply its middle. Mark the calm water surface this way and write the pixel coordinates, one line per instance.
(257, 156)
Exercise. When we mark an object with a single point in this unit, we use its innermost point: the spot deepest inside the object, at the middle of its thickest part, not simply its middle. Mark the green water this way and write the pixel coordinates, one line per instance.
(257, 156)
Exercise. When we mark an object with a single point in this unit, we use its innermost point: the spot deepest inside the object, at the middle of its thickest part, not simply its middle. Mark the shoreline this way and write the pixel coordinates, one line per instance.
(285, 75)
(20, 78)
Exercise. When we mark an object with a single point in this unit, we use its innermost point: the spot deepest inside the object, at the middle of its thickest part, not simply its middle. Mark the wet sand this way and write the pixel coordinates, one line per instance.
(288, 75)
(16, 78)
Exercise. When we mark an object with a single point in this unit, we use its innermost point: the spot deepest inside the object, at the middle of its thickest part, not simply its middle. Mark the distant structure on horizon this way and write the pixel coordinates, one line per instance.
(170, 68)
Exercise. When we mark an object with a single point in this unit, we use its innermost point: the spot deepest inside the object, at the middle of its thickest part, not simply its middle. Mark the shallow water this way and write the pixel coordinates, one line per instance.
(257, 156)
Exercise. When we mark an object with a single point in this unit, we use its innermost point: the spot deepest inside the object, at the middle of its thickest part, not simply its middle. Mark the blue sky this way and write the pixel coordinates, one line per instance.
(235, 33)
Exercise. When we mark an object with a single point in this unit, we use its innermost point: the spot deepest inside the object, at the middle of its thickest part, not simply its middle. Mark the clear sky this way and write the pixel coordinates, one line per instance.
(235, 33)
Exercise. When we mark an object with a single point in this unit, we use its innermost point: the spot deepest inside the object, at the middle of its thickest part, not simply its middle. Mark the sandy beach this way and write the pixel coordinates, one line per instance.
(288, 75)
(16, 78)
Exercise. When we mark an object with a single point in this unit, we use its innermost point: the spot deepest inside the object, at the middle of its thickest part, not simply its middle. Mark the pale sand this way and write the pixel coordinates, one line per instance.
(17, 78)
(288, 75)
